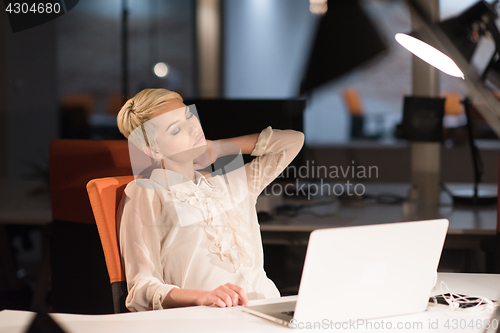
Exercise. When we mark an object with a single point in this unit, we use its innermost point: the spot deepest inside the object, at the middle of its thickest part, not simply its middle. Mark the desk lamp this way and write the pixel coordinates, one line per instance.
(453, 41)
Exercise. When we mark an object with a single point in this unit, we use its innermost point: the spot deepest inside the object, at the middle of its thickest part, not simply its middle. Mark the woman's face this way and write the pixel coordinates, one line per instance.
(180, 137)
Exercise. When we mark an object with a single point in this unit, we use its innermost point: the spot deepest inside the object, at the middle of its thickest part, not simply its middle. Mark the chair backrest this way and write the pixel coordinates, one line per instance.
(114, 103)
(105, 195)
(84, 101)
(353, 102)
(453, 104)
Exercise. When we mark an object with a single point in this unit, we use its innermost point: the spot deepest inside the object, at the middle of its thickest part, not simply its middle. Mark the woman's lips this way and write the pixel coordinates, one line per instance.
(199, 139)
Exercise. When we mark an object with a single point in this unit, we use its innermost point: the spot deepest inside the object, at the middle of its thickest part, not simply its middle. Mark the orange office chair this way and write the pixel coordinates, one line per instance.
(114, 103)
(105, 195)
(453, 104)
(354, 105)
(79, 278)
(352, 101)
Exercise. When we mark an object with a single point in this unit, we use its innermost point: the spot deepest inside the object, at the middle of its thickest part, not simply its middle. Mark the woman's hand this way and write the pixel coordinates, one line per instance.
(223, 296)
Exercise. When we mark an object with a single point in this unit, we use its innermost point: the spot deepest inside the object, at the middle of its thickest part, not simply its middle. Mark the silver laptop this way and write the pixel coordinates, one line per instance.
(364, 272)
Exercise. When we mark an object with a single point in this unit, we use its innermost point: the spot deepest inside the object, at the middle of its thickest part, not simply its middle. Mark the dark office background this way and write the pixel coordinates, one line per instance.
(264, 46)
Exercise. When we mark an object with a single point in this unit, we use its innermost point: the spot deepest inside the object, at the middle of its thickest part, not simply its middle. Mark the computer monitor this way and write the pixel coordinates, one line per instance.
(226, 118)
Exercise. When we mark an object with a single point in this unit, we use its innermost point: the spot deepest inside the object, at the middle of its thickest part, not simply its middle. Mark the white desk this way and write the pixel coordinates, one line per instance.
(208, 319)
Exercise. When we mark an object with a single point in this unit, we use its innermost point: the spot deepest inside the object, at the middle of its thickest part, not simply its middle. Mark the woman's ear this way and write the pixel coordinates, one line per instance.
(153, 153)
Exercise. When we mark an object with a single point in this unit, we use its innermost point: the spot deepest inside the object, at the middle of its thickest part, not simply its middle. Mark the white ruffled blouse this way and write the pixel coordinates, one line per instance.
(203, 235)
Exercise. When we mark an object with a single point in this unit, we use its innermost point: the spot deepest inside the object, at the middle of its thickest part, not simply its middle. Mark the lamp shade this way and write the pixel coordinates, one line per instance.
(464, 31)
(345, 39)
(429, 54)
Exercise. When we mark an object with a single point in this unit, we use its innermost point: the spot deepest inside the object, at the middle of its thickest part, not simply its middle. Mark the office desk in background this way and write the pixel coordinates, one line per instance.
(469, 226)
(464, 220)
(211, 319)
(24, 202)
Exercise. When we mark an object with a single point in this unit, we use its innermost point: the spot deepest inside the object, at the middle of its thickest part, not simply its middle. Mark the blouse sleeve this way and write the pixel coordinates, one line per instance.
(275, 149)
(140, 248)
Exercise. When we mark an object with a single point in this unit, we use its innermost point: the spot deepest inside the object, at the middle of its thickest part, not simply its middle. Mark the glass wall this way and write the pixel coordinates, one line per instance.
(89, 49)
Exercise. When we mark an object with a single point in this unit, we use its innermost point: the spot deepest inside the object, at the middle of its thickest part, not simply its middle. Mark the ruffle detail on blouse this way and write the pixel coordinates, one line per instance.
(229, 241)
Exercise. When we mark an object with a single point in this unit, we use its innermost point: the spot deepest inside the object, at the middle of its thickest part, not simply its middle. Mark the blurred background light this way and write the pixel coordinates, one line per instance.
(318, 7)
(161, 69)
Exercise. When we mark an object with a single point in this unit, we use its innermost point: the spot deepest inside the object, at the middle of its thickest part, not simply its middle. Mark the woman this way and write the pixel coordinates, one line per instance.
(185, 238)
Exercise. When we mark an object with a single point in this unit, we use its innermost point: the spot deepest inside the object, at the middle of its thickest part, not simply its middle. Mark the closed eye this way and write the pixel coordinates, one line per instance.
(189, 115)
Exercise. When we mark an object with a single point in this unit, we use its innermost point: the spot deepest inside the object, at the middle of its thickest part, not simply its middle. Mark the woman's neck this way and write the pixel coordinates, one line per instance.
(186, 170)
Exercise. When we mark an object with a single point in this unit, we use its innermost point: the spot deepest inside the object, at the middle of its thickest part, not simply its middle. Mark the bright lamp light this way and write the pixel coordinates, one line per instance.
(161, 69)
(429, 54)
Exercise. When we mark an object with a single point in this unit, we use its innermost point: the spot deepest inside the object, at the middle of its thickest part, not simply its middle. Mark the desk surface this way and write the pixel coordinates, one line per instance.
(463, 220)
(209, 319)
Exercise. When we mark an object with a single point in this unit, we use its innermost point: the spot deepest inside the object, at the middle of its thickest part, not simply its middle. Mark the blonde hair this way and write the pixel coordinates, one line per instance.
(139, 109)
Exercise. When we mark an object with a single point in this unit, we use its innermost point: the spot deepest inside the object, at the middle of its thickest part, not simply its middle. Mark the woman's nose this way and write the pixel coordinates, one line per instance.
(194, 130)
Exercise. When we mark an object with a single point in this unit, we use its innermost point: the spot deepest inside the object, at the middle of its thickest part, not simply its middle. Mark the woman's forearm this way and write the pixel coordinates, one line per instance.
(222, 296)
(246, 143)
(181, 297)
